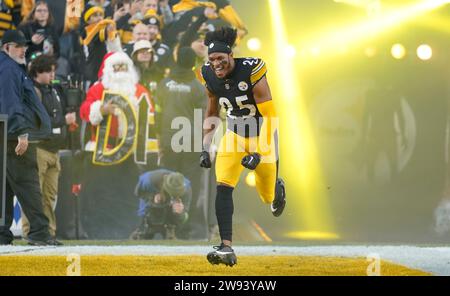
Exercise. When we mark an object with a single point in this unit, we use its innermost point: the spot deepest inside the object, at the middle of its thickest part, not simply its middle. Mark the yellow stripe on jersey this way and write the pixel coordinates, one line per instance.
(269, 114)
(258, 66)
(5, 16)
(5, 26)
(258, 72)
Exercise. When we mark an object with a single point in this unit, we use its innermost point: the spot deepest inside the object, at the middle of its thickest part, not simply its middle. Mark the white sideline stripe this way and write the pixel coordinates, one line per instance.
(223, 253)
(431, 259)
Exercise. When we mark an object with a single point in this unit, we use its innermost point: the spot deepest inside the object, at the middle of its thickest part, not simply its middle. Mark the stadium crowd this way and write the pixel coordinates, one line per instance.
(79, 54)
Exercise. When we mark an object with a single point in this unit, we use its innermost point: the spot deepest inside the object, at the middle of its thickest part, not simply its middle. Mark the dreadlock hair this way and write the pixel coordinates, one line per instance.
(226, 35)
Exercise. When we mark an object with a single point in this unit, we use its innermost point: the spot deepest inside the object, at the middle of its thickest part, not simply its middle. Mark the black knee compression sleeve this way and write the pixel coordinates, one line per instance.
(224, 211)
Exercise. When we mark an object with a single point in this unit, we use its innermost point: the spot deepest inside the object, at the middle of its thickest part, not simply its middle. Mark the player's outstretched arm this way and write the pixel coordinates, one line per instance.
(264, 102)
(209, 127)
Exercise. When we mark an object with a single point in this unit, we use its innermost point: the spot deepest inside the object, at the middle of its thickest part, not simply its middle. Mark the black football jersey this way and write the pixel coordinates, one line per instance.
(235, 94)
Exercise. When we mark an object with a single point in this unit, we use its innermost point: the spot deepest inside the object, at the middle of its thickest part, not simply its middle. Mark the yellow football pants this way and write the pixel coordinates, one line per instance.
(232, 149)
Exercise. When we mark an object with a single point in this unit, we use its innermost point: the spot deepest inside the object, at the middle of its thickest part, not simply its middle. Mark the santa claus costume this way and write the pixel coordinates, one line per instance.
(107, 195)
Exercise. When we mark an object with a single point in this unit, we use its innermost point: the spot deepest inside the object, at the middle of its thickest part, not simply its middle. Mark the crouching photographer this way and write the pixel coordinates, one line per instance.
(165, 198)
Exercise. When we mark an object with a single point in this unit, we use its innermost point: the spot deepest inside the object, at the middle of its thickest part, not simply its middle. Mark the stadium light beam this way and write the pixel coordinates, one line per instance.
(372, 27)
(290, 51)
(303, 176)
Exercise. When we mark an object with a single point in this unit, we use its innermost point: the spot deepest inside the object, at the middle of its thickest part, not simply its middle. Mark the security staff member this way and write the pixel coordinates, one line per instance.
(28, 122)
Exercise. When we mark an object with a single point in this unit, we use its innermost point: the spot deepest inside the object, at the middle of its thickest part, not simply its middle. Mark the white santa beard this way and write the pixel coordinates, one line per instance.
(123, 83)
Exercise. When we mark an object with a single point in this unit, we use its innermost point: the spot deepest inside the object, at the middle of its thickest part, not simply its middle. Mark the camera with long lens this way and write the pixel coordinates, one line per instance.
(74, 94)
(72, 90)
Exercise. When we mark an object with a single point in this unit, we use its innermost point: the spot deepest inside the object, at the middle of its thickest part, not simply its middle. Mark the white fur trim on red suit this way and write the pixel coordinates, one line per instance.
(95, 115)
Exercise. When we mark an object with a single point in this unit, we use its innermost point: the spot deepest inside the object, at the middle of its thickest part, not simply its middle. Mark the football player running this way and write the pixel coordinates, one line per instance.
(239, 85)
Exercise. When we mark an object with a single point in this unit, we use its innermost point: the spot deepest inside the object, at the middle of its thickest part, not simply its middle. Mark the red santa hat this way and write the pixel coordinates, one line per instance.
(117, 58)
(102, 66)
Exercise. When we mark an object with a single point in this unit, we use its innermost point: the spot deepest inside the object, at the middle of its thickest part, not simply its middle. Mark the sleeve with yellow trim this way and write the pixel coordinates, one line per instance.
(258, 71)
(269, 114)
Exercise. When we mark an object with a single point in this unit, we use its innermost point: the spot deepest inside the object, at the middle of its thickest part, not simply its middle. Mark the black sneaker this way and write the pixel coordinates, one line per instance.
(222, 255)
(279, 202)
(49, 242)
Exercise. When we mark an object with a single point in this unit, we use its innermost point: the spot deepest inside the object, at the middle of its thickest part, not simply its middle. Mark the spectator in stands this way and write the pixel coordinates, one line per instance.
(99, 37)
(126, 18)
(163, 53)
(194, 35)
(160, 6)
(38, 27)
(142, 56)
(42, 70)
(165, 197)
(66, 13)
(140, 32)
(149, 4)
(107, 6)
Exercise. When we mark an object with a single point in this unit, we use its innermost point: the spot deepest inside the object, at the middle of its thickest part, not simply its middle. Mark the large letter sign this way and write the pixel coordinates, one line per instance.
(138, 138)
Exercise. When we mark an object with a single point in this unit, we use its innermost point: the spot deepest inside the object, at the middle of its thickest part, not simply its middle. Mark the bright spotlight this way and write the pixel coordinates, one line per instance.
(254, 44)
(251, 179)
(398, 51)
(377, 24)
(290, 51)
(302, 170)
(424, 52)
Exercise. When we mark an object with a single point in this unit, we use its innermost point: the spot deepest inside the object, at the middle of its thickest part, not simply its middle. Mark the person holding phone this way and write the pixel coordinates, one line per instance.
(39, 27)
(127, 15)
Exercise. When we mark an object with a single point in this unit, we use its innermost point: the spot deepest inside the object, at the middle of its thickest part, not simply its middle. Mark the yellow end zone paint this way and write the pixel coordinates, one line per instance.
(194, 265)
